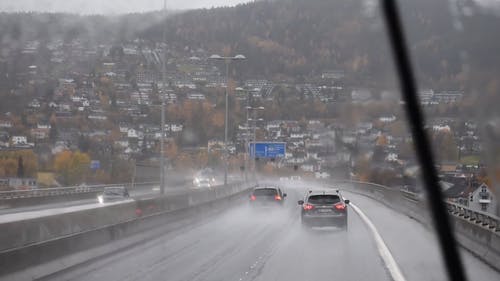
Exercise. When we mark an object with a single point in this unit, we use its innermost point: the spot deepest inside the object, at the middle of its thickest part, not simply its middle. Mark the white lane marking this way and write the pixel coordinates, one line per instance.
(385, 254)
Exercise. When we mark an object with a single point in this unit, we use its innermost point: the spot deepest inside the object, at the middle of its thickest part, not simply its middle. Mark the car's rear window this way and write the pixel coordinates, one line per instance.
(324, 199)
(265, 192)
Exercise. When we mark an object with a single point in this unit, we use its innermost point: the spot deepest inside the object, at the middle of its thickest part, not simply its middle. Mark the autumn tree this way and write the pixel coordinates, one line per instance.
(362, 168)
(184, 161)
(445, 146)
(171, 150)
(381, 141)
(398, 129)
(214, 158)
(217, 119)
(10, 163)
(122, 170)
(72, 167)
(202, 159)
(8, 167)
(187, 110)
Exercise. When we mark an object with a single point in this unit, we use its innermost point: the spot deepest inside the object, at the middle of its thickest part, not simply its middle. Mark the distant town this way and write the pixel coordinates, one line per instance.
(91, 114)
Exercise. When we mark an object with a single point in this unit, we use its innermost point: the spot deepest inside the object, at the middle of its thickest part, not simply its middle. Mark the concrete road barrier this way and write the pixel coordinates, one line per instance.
(21, 233)
(31, 242)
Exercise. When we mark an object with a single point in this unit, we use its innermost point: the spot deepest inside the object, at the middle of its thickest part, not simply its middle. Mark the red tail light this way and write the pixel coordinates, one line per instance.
(339, 206)
(253, 197)
(308, 207)
(277, 198)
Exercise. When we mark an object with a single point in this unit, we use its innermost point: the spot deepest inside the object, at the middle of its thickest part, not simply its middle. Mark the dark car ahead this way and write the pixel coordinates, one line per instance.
(324, 208)
(267, 196)
(112, 194)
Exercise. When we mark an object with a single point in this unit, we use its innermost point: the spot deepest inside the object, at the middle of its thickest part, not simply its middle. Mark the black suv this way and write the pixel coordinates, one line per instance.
(267, 196)
(324, 208)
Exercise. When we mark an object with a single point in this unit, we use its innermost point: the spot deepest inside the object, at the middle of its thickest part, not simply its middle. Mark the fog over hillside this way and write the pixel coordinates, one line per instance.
(108, 6)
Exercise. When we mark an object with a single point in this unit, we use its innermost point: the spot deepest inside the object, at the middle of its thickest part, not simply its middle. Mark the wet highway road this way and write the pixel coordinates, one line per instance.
(241, 244)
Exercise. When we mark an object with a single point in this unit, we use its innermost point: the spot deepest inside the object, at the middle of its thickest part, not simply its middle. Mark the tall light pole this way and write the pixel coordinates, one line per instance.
(255, 120)
(246, 156)
(246, 143)
(162, 129)
(227, 60)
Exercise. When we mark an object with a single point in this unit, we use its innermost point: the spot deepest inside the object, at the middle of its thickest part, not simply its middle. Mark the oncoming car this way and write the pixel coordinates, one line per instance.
(202, 182)
(111, 194)
(267, 196)
(324, 208)
(204, 178)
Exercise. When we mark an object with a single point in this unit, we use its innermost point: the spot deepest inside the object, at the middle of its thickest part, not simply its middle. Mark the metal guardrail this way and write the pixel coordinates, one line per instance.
(476, 231)
(58, 191)
(484, 219)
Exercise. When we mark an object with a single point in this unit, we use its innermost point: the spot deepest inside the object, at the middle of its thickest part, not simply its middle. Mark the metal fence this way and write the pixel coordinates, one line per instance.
(482, 218)
(59, 191)
(392, 195)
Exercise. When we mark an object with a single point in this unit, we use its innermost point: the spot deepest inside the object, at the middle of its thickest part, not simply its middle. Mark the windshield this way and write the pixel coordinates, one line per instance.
(193, 109)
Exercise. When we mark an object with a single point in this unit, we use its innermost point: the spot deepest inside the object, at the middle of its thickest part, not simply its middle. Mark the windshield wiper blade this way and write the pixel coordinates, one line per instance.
(441, 221)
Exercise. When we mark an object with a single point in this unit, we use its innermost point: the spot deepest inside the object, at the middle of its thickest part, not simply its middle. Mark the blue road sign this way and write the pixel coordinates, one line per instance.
(267, 149)
(95, 164)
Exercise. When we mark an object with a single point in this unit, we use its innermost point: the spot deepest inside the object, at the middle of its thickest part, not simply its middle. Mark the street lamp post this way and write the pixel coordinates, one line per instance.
(255, 120)
(134, 173)
(246, 145)
(227, 61)
(162, 129)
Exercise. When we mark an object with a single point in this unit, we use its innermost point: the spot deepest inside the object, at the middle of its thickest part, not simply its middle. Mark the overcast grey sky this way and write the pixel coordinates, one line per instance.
(128, 6)
(108, 6)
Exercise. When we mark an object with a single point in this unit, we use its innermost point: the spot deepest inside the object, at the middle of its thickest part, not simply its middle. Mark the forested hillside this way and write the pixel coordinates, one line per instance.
(298, 39)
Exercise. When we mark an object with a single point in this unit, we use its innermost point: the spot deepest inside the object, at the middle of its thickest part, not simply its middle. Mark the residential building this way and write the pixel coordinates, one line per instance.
(40, 134)
(5, 124)
(196, 96)
(19, 183)
(19, 140)
(483, 199)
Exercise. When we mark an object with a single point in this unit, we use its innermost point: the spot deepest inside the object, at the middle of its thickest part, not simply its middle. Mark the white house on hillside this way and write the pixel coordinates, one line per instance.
(18, 140)
(483, 199)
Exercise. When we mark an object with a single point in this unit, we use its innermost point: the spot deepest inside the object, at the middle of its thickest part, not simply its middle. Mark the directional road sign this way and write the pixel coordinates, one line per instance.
(267, 149)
